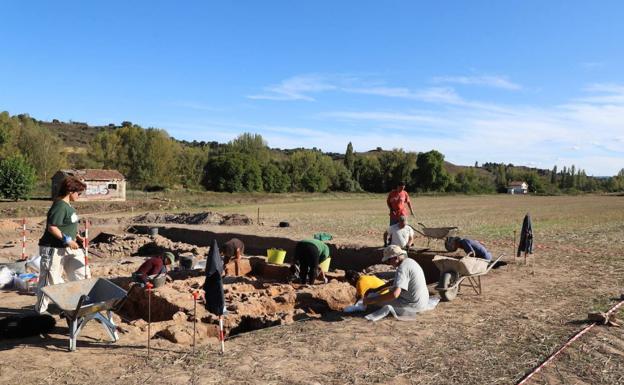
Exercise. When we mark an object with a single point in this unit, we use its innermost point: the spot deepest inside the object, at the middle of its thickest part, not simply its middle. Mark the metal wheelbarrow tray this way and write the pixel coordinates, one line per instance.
(453, 271)
(436, 232)
(82, 301)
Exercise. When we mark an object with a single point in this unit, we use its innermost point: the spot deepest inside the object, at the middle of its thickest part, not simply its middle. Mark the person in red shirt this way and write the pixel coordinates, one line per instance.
(153, 266)
(397, 201)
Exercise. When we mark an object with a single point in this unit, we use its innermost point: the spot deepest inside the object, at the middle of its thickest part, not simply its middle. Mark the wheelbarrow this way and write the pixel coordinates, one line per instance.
(454, 270)
(436, 232)
(82, 301)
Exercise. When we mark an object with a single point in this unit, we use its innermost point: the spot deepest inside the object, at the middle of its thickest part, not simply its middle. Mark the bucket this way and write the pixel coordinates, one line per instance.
(158, 280)
(153, 231)
(276, 256)
(324, 266)
(187, 262)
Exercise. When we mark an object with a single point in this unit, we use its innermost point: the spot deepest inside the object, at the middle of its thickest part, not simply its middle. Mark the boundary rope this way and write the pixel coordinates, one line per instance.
(568, 343)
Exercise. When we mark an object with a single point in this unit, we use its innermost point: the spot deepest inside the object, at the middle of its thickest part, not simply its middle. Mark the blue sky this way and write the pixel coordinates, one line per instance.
(536, 83)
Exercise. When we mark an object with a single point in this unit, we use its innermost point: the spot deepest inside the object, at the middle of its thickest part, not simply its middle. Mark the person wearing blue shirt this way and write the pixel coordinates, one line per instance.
(469, 246)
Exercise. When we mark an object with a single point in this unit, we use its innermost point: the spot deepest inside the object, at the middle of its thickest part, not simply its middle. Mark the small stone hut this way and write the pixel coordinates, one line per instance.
(102, 185)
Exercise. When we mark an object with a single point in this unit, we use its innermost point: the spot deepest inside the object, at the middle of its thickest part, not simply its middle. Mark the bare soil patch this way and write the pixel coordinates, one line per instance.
(525, 313)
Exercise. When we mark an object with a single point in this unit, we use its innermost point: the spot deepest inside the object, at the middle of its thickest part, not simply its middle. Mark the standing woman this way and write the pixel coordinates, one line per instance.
(59, 246)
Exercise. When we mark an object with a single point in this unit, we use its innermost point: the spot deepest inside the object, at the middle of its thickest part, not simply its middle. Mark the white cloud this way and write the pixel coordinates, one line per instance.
(392, 92)
(380, 116)
(585, 130)
(296, 88)
(302, 87)
(539, 135)
(602, 93)
(483, 80)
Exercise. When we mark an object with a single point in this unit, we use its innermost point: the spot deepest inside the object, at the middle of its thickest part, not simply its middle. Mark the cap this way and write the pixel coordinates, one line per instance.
(392, 251)
(169, 255)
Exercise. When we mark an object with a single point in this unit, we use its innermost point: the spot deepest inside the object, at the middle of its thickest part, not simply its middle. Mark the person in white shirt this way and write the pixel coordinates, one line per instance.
(399, 234)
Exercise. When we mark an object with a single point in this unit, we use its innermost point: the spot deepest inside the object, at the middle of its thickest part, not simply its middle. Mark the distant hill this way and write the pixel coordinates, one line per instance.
(77, 135)
(74, 134)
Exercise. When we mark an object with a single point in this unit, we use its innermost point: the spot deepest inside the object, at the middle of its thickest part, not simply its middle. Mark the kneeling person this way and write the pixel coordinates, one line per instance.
(365, 284)
(233, 250)
(152, 267)
(408, 294)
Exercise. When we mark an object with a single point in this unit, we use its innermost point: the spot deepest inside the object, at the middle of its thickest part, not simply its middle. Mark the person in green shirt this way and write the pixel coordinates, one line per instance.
(60, 246)
(309, 253)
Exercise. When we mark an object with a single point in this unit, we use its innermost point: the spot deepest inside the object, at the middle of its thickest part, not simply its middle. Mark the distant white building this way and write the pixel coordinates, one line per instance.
(517, 187)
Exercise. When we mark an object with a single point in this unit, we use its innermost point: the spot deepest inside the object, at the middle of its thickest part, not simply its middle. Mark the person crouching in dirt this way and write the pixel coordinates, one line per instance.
(365, 284)
(470, 246)
(399, 234)
(59, 246)
(153, 267)
(408, 294)
(309, 253)
(233, 250)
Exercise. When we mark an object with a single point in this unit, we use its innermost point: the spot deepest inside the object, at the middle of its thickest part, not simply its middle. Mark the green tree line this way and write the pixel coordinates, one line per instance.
(151, 159)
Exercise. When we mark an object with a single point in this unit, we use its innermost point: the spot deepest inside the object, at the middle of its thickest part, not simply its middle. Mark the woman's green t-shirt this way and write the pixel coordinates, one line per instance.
(63, 216)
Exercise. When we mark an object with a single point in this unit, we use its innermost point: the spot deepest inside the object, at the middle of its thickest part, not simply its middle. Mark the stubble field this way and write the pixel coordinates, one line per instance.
(526, 313)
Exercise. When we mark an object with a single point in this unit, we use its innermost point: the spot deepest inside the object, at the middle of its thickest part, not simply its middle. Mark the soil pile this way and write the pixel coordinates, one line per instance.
(205, 218)
(117, 246)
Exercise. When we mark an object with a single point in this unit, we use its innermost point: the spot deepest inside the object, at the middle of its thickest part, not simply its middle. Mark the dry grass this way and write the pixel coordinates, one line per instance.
(526, 313)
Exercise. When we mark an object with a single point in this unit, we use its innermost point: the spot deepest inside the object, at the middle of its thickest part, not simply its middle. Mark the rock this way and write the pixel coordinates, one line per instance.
(178, 334)
(139, 323)
(180, 317)
(243, 265)
(274, 272)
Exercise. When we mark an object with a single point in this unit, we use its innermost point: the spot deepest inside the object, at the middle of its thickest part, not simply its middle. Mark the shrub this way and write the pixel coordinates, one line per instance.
(17, 178)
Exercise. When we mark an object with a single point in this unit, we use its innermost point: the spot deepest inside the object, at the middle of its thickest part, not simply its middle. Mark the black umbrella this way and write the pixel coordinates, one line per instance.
(213, 287)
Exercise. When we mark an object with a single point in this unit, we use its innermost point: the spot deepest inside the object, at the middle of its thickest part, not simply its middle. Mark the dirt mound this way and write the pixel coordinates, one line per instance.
(96, 221)
(9, 226)
(113, 246)
(251, 303)
(236, 220)
(205, 218)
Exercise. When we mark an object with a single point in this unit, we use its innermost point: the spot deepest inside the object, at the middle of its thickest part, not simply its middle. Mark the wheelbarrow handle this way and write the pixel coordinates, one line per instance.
(418, 231)
(122, 301)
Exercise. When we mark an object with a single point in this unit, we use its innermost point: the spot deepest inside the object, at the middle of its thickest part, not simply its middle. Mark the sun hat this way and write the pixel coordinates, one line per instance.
(392, 251)
(450, 244)
(169, 255)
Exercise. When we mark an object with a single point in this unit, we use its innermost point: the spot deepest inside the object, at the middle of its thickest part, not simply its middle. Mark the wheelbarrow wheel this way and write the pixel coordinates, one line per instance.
(447, 280)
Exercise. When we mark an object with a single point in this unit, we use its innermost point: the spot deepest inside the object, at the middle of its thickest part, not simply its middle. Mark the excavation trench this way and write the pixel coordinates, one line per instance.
(261, 297)
(344, 257)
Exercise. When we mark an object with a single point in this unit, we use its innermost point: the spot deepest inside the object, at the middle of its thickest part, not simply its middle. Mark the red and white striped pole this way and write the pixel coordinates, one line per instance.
(221, 334)
(86, 247)
(23, 239)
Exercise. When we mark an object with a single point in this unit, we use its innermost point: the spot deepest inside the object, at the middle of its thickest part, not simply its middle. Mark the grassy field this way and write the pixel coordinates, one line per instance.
(526, 313)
